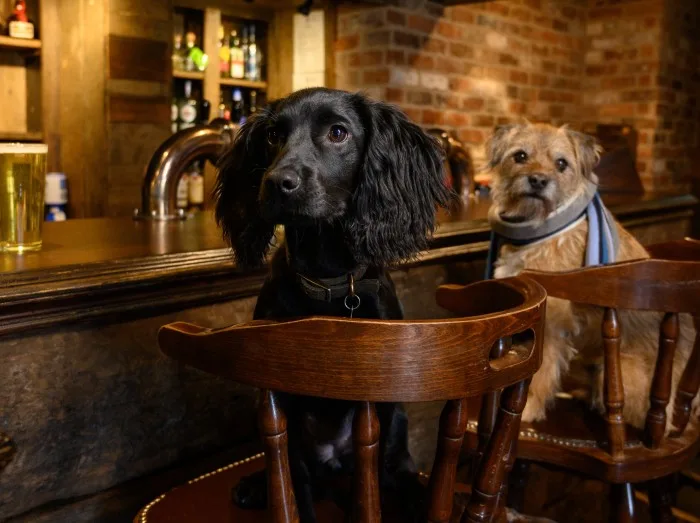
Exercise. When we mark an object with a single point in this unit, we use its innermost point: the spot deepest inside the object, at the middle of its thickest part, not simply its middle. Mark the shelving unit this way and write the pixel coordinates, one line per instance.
(247, 84)
(19, 44)
(186, 75)
(30, 136)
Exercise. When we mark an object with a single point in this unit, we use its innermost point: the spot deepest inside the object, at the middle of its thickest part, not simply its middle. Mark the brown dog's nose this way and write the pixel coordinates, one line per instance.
(537, 182)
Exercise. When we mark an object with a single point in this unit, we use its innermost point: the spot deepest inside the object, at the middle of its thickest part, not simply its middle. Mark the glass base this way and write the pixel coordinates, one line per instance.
(19, 249)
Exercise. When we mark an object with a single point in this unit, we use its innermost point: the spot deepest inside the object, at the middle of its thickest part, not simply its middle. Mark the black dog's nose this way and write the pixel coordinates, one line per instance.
(537, 182)
(286, 181)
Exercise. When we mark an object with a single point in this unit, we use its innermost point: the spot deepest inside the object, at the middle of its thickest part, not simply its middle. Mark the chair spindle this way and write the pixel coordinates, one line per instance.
(485, 491)
(613, 391)
(366, 507)
(453, 423)
(282, 507)
(688, 386)
(655, 425)
(489, 406)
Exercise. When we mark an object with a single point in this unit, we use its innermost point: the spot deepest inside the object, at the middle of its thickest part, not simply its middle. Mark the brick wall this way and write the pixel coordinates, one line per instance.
(467, 67)
(473, 66)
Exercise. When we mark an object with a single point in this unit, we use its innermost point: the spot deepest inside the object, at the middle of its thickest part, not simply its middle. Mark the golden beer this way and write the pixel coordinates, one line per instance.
(22, 179)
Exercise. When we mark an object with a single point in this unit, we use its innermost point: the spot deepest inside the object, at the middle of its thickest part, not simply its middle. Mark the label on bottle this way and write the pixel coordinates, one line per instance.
(188, 113)
(173, 112)
(224, 58)
(237, 64)
(21, 30)
(182, 191)
(196, 189)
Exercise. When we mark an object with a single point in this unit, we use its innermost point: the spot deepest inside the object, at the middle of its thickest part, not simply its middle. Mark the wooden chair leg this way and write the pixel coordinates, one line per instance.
(661, 500)
(366, 502)
(622, 507)
(491, 475)
(281, 504)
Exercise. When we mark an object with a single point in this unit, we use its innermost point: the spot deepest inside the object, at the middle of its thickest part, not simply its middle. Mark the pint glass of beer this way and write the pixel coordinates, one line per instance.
(22, 179)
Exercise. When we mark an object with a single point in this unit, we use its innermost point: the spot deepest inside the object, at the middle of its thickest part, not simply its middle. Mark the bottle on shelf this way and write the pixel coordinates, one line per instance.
(196, 189)
(238, 108)
(196, 59)
(18, 23)
(175, 115)
(178, 56)
(253, 107)
(224, 54)
(246, 51)
(182, 195)
(55, 197)
(224, 108)
(204, 112)
(188, 108)
(252, 72)
(237, 59)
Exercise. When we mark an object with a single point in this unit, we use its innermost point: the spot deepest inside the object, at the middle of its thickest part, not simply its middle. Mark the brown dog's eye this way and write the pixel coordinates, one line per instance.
(273, 136)
(562, 165)
(520, 157)
(338, 134)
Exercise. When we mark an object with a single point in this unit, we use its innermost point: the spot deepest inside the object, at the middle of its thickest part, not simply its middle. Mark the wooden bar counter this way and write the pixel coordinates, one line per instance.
(91, 403)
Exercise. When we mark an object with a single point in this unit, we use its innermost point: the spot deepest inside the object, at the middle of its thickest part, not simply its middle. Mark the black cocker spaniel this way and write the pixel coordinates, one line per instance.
(356, 186)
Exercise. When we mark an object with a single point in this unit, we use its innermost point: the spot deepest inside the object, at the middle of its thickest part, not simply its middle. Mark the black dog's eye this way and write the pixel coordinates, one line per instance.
(562, 165)
(338, 134)
(273, 136)
(520, 157)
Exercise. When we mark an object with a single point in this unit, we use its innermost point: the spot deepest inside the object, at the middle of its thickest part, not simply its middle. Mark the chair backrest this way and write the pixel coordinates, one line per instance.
(671, 287)
(371, 361)
(687, 249)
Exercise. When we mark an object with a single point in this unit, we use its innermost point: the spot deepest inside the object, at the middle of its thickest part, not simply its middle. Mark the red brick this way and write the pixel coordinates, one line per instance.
(597, 13)
(601, 70)
(395, 57)
(549, 67)
(449, 30)
(518, 77)
(407, 39)
(377, 39)
(431, 117)
(419, 98)
(347, 42)
(462, 14)
(456, 119)
(367, 58)
(376, 76)
(497, 8)
(472, 136)
(483, 120)
(449, 101)
(618, 110)
(460, 84)
(448, 65)
(421, 23)
(540, 50)
(496, 73)
(434, 45)
(520, 14)
(394, 17)
(413, 114)
(517, 107)
(421, 61)
(618, 82)
(395, 95)
(556, 111)
(473, 104)
(538, 80)
(568, 70)
(461, 50)
(546, 95)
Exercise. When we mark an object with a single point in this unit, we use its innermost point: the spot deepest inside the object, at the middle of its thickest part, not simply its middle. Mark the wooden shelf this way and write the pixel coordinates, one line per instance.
(233, 82)
(19, 43)
(185, 75)
(31, 136)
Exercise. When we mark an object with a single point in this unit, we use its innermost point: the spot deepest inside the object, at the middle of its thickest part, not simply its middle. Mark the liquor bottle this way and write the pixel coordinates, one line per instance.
(224, 54)
(224, 108)
(191, 38)
(18, 24)
(237, 59)
(196, 59)
(178, 56)
(253, 108)
(188, 108)
(174, 115)
(181, 198)
(252, 72)
(196, 189)
(204, 112)
(238, 109)
(246, 51)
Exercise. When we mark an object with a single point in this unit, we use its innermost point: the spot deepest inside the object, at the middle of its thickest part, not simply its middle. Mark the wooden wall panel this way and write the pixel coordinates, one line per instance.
(138, 59)
(13, 93)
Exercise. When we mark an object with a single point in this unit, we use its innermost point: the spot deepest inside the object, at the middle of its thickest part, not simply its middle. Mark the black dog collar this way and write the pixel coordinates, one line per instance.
(328, 289)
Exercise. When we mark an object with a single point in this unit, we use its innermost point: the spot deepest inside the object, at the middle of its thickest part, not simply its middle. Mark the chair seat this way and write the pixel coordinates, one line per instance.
(574, 436)
(207, 499)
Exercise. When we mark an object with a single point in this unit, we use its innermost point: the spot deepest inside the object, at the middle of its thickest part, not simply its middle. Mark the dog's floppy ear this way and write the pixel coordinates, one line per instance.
(400, 183)
(497, 144)
(587, 151)
(241, 169)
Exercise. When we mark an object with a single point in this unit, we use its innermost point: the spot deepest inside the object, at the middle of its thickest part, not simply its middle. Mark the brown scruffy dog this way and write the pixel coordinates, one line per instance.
(537, 170)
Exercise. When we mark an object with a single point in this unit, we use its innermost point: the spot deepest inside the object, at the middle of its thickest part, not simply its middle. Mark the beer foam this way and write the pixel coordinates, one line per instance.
(23, 148)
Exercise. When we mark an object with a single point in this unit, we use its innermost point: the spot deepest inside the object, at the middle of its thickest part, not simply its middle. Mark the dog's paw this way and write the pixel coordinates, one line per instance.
(534, 410)
(251, 492)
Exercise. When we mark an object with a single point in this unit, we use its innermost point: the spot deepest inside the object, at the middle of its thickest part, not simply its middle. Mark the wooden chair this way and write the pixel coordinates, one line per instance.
(605, 447)
(368, 361)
